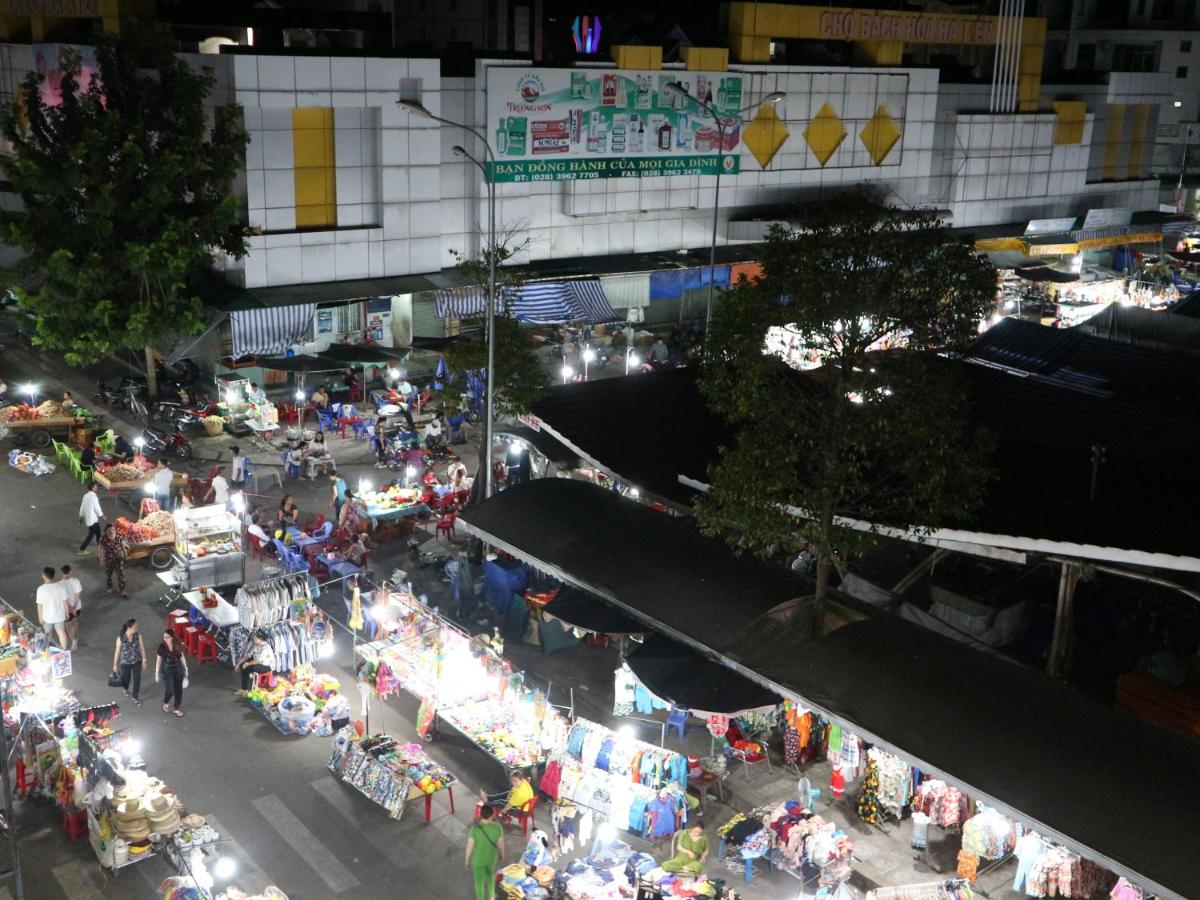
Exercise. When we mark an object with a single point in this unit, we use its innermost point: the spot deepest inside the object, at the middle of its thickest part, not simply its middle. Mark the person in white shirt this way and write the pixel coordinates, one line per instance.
(90, 514)
(237, 466)
(218, 489)
(255, 529)
(74, 593)
(52, 606)
(256, 395)
(433, 432)
(163, 477)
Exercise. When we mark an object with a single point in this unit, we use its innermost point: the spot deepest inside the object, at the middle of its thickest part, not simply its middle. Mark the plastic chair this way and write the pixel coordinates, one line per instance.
(325, 421)
(106, 442)
(60, 450)
(445, 525)
(362, 428)
(677, 719)
(290, 468)
(521, 816)
(191, 638)
(206, 648)
(323, 531)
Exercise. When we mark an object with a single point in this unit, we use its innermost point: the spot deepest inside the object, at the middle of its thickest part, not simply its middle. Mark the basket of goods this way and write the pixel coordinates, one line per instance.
(214, 425)
(161, 523)
(296, 713)
(52, 409)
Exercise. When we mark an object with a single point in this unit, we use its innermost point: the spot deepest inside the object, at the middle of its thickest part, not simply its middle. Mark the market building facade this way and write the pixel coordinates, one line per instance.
(608, 171)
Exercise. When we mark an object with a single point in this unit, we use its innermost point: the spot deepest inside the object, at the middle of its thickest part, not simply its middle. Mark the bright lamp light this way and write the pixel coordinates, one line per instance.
(589, 354)
(634, 360)
(299, 395)
(394, 374)
(224, 867)
(239, 501)
(567, 372)
(139, 442)
(29, 388)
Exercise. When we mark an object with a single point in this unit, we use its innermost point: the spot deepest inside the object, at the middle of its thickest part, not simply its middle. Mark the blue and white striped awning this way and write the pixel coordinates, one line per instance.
(536, 302)
(267, 332)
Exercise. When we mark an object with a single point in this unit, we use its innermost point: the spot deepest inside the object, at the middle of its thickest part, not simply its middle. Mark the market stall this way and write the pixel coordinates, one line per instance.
(39, 425)
(636, 786)
(790, 838)
(390, 504)
(301, 702)
(283, 611)
(462, 683)
(152, 536)
(389, 772)
(208, 547)
(123, 475)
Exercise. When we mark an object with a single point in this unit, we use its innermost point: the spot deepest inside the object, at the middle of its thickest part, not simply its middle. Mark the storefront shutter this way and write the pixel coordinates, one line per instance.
(625, 291)
(426, 324)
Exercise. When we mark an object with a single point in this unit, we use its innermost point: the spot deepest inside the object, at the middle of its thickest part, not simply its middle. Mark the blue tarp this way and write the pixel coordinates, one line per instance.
(672, 284)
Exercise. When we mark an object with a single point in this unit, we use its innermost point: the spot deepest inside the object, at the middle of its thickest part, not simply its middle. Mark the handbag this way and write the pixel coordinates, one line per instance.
(186, 682)
(114, 679)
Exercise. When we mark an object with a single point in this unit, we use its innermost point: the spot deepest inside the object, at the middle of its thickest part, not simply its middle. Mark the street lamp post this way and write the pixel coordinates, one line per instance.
(418, 109)
(676, 89)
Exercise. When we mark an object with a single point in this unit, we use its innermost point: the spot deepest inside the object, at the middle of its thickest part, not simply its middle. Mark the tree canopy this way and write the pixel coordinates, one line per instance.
(520, 376)
(126, 193)
(875, 426)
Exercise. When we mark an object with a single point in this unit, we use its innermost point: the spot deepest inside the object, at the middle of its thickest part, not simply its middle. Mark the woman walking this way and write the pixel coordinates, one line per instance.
(171, 665)
(485, 849)
(129, 659)
(113, 550)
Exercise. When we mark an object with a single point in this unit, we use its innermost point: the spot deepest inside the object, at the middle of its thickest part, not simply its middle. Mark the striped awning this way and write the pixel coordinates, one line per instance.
(535, 302)
(270, 331)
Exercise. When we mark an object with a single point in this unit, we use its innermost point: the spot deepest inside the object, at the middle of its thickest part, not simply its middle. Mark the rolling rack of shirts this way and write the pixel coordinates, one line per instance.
(267, 602)
(896, 782)
(281, 609)
(597, 747)
(946, 806)
(950, 889)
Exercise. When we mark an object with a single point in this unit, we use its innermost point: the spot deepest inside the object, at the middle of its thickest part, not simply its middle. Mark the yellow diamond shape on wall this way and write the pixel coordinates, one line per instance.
(880, 134)
(824, 134)
(764, 135)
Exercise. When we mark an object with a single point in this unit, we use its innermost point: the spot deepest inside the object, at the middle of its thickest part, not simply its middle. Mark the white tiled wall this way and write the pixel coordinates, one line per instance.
(406, 204)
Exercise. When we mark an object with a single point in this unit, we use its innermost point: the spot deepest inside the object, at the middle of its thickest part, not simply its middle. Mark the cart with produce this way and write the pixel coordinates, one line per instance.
(39, 431)
(150, 537)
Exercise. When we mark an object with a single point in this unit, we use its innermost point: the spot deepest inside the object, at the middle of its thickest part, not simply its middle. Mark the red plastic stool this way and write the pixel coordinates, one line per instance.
(75, 823)
(177, 624)
(25, 779)
(206, 648)
(263, 680)
(191, 638)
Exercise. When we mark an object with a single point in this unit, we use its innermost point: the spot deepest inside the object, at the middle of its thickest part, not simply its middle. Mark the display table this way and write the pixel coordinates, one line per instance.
(223, 615)
(302, 703)
(388, 772)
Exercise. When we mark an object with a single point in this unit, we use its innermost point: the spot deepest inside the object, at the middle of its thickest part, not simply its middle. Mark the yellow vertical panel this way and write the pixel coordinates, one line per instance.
(314, 167)
(807, 22)
(788, 22)
(1112, 141)
(747, 48)
(1068, 121)
(766, 20)
(1137, 141)
(738, 15)
(653, 58)
(878, 53)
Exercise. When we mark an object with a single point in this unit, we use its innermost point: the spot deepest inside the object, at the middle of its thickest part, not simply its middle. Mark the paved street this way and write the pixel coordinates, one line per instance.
(288, 821)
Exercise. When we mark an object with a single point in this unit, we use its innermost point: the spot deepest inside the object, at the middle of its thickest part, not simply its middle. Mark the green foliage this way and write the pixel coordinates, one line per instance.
(520, 376)
(126, 192)
(874, 434)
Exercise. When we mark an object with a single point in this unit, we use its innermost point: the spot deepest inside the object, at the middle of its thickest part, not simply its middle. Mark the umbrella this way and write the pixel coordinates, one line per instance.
(361, 354)
(684, 677)
(582, 610)
(441, 375)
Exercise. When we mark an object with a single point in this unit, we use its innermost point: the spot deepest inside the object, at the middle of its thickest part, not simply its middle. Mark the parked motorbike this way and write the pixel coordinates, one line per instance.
(156, 444)
(185, 415)
(122, 395)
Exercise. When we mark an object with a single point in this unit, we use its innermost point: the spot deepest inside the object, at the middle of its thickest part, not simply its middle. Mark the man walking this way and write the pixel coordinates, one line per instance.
(52, 606)
(73, 590)
(163, 478)
(237, 467)
(90, 514)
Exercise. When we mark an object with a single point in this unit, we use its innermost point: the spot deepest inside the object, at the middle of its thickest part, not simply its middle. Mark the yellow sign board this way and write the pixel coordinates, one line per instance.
(911, 28)
(64, 9)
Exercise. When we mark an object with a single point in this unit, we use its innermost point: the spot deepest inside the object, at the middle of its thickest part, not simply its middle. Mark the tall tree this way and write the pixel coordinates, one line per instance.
(520, 378)
(126, 188)
(878, 431)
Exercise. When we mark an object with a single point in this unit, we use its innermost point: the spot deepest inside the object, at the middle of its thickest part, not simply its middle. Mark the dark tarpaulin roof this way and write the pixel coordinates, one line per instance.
(628, 424)
(299, 364)
(1144, 328)
(1045, 273)
(682, 676)
(1188, 306)
(1117, 787)
(1105, 779)
(363, 354)
(655, 563)
(586, 611)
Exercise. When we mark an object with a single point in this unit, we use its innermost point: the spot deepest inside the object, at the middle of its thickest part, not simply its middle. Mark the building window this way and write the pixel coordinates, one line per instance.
(1181, 71)
(1085, 59)
(1135, 58)
(1185, 46)
(313, 158)
(1164, 9)
(1141, 8)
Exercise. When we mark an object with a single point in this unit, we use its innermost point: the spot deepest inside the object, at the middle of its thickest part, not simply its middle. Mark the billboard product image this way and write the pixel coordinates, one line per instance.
(564, 124)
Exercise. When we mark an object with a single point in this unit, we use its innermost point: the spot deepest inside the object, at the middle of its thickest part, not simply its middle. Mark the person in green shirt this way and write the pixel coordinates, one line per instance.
(485, 848)
(690, 852)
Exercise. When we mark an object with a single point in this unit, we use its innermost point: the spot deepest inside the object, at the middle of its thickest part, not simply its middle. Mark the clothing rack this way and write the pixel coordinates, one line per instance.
(950, 889)
(270, 601)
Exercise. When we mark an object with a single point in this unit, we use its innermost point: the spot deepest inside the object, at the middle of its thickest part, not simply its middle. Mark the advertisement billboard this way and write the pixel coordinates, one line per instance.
(564, 124)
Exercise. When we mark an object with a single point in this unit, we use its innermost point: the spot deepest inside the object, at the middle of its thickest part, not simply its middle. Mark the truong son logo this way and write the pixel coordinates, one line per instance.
(530, 88)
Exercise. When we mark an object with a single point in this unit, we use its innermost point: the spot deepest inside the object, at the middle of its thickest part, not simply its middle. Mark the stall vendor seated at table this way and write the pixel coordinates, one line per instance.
(691, 850)
(121, 447)
(517, 800)
(256, 395)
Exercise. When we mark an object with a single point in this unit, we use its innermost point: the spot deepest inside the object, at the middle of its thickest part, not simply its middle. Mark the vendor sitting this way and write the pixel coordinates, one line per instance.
(357, 550)
(320, 398)
(433, 432)
(68, 403)
(691, 850)
(258, 658)
(87, 457)
(518, 800)
(318, 458)
(429, 477)
(255, 530)
(256, 395)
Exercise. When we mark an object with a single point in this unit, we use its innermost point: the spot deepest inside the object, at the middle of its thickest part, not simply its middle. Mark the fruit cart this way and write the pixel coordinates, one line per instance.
(151, 537)
(40, 432)
(157, 550)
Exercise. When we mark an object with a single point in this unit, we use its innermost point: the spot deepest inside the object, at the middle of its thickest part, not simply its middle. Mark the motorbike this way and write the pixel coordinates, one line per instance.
(186, 415)
(158, 444)
(121, 396)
